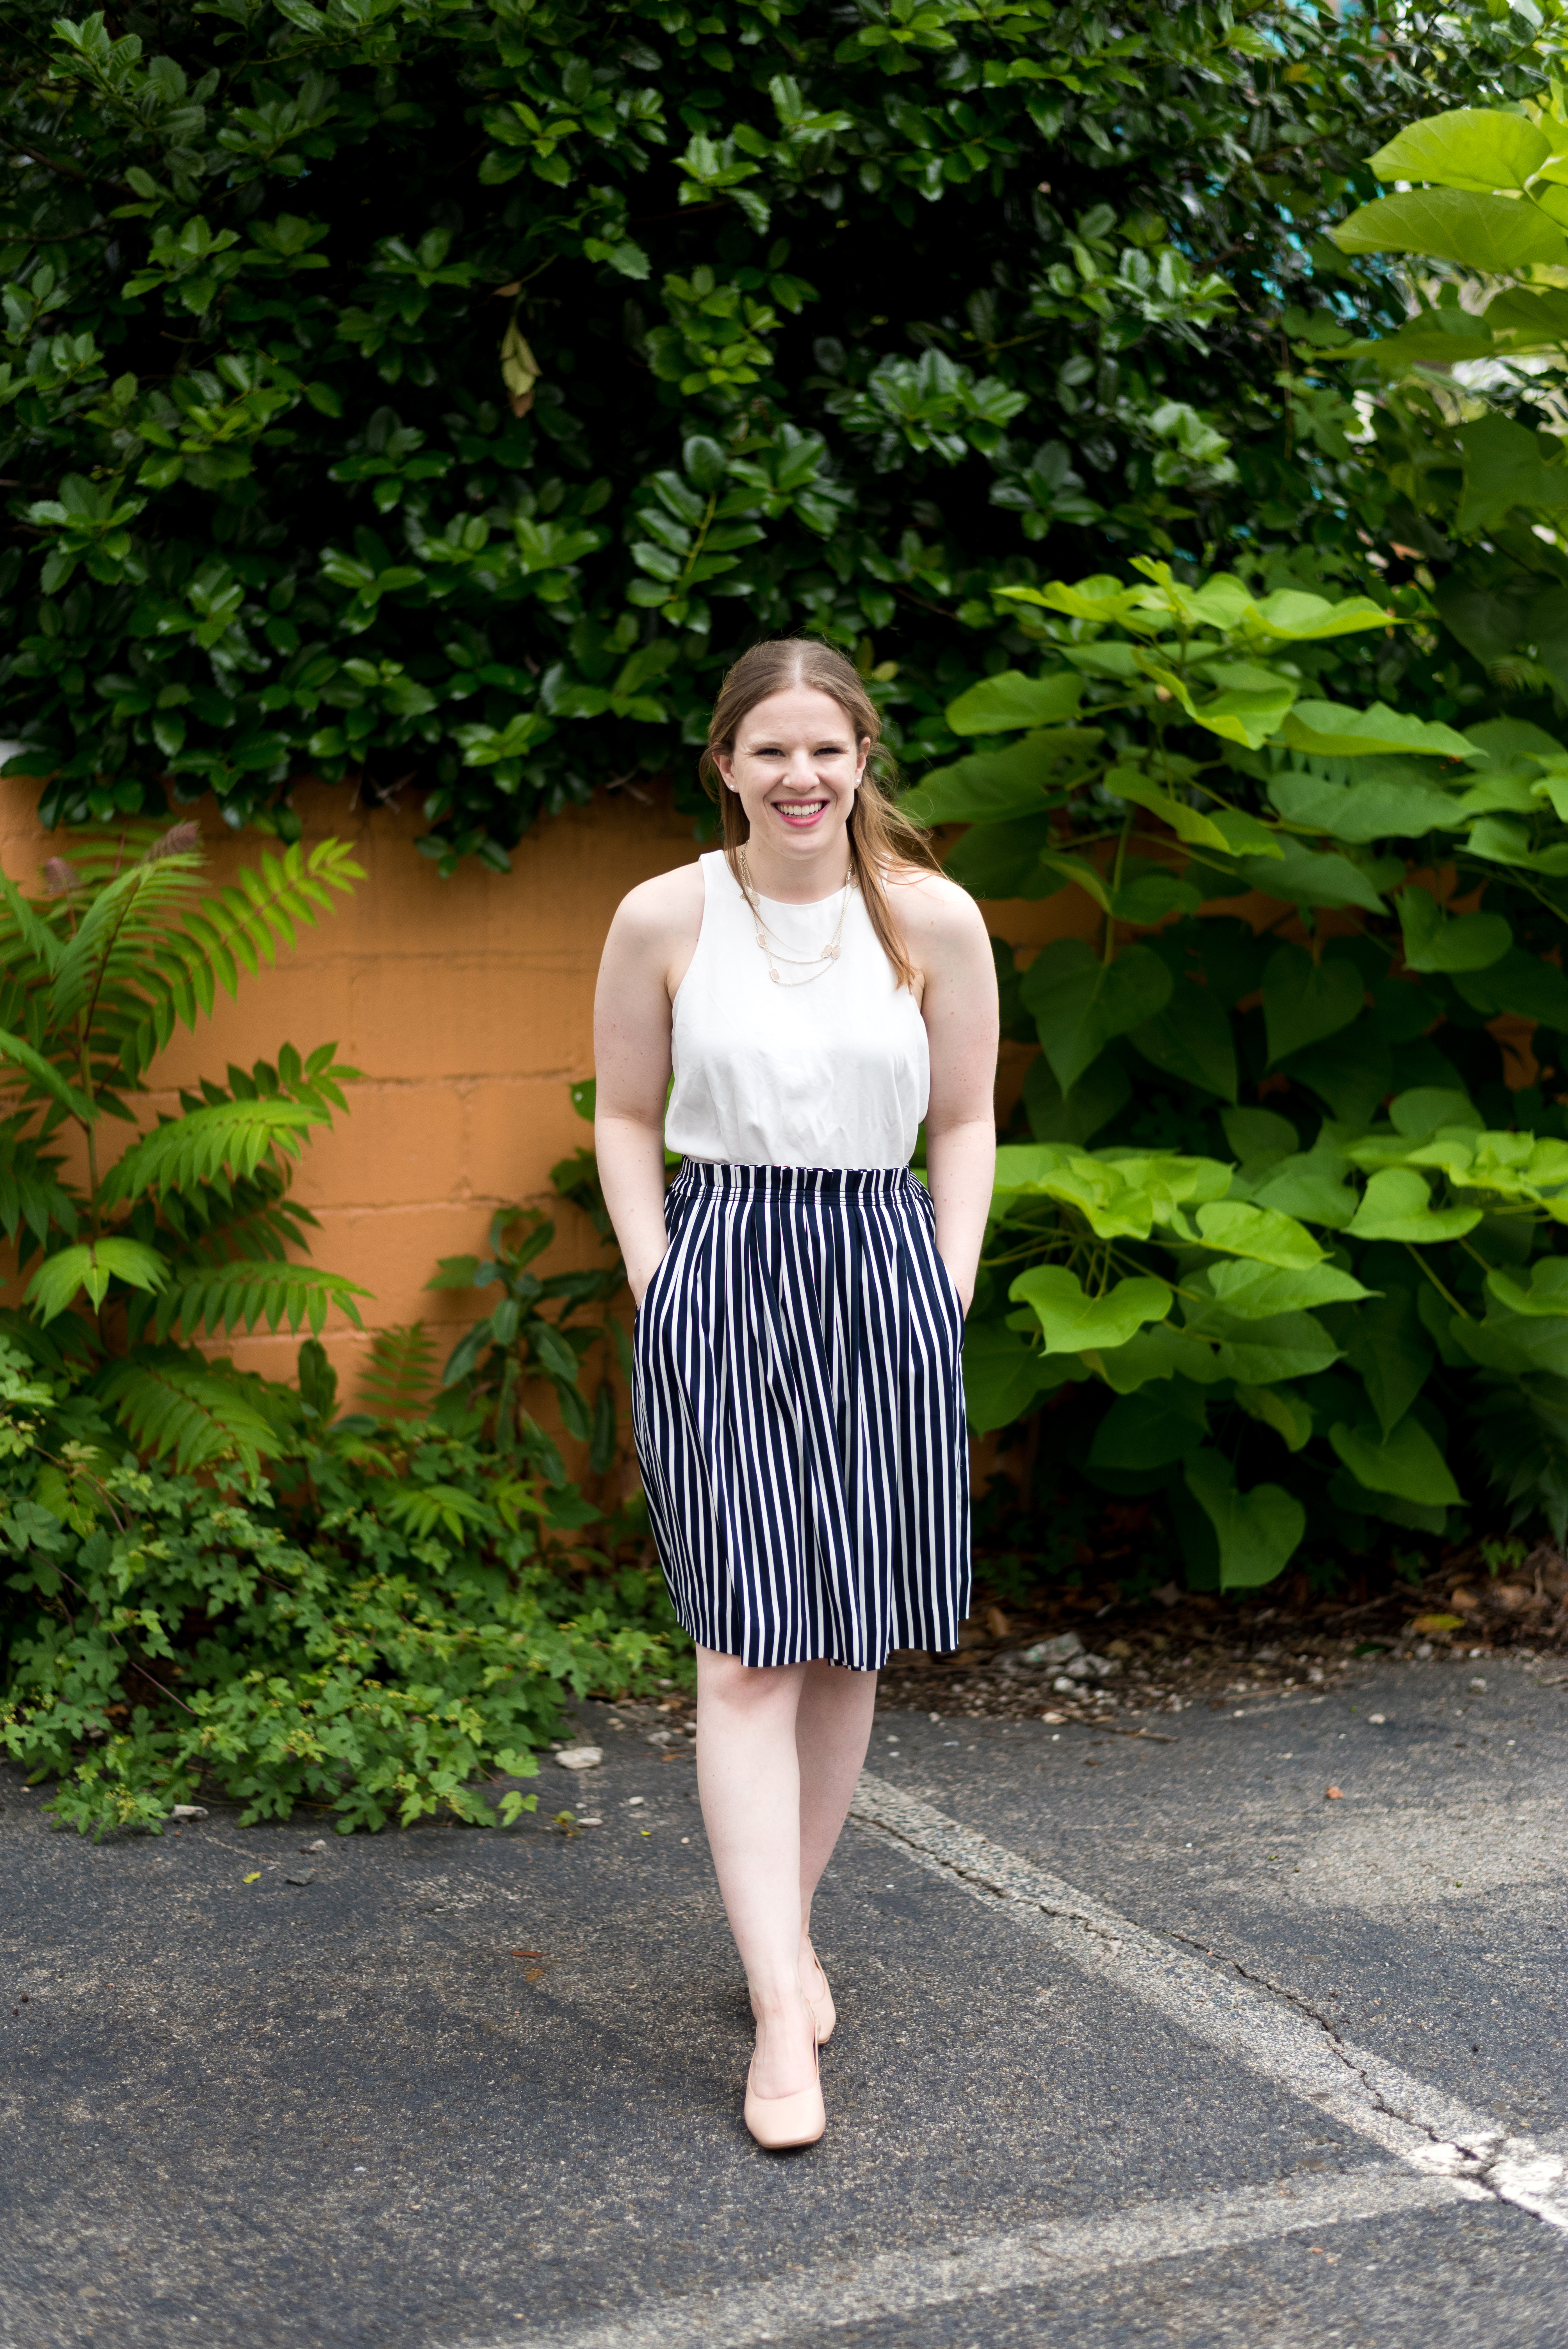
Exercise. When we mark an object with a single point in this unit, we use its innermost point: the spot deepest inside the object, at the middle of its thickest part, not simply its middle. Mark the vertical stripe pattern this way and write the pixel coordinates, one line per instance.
(798, 1403)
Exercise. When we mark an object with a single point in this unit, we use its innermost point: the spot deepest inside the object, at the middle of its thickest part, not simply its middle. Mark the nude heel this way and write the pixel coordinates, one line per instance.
(824, 2013)
(778, 2123)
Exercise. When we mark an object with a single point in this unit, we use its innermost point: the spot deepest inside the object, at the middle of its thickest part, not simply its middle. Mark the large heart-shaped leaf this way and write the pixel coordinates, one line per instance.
(998, 705)
(1518, 981)
(991, 786)
(1079, 1002)
(1161, 1353)
(1153, 896)
(1326, 731)
(1386, 1343)
(1077, 1116)
(1495, 235)
(1547, 1292)
(1310, 1183)
(1293, 615)
(1406, 1463)
(1398, 1206)
(1426, 1110)
(1472, 147)
(1260, 1352)
(1074, 1322)
(1258, 1531)
(1311, 880)
(1306, 1000)
(1435, 941)
(1257, 1137)
(1352, 1071)
(1150, 1429)
(1257, 1291)
(1516, 1343)
(1004, 860)
(1260, 1233)
(1374, 807)
(1000, 1375)
(1191, 1041)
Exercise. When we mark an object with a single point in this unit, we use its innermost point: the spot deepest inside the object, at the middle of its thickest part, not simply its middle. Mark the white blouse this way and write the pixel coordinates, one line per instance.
(833, 1073)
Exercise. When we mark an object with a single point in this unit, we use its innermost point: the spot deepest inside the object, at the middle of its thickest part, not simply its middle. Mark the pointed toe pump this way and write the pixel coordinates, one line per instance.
(820, 1999)
(780, 2123)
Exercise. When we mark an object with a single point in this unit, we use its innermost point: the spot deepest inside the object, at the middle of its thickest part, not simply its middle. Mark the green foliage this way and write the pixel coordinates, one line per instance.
(370, 1614)
(1311, 1254)
(439, 398)
(188, 1231)
(380, 1623)
(1473, 459)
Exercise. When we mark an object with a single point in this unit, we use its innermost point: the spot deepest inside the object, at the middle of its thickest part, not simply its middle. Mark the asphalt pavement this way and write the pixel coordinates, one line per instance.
(1142, 2040)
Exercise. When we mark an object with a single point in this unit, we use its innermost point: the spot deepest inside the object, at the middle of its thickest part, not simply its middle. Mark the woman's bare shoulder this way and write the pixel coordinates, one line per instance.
(670, 904)
(929, 904)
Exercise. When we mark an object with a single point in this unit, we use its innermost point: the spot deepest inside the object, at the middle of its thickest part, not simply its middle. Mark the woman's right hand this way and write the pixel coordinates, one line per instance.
(642, 1280)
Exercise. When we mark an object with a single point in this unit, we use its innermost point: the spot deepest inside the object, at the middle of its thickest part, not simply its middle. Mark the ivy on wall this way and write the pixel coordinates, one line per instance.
(435, 397)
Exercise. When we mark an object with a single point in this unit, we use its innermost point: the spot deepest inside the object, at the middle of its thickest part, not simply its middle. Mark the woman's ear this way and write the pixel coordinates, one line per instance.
(865, 754)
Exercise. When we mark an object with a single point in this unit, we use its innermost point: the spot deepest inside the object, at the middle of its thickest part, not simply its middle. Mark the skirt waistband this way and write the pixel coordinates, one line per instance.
(805, 1184)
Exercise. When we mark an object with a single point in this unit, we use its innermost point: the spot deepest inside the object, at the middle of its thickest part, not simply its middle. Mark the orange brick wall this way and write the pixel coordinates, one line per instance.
(468, 1005)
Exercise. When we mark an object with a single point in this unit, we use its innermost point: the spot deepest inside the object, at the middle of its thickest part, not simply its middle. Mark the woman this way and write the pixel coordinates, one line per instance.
(817, 988)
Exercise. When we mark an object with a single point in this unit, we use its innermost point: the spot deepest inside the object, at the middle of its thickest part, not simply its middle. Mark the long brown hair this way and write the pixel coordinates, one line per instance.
(883, 839)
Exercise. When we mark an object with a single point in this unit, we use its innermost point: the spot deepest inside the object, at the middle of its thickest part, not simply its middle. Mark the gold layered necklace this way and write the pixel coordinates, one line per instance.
(773, 956)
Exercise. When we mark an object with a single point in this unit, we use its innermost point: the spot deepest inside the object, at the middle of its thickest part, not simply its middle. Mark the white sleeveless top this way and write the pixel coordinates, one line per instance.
(835, 1073)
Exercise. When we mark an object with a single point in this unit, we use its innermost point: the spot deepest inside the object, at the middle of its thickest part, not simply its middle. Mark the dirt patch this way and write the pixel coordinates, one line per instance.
(1081, 1657)
(1078, 1656)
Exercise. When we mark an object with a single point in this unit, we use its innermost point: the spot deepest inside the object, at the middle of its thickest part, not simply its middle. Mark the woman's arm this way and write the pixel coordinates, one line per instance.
(948, 941)
(651, 941)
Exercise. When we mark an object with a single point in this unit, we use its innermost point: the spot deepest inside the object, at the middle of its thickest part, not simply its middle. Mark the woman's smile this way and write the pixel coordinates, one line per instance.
(800, 814)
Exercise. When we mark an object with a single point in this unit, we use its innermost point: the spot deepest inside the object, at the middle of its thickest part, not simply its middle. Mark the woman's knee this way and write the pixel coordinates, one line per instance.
(729, 1682)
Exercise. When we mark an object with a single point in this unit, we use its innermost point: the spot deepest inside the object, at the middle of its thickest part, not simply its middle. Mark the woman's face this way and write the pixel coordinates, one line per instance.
(795, 767)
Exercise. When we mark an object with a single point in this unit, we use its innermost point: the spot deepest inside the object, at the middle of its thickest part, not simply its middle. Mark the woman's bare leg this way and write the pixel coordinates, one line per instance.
(833, 1730)
(749, 1780)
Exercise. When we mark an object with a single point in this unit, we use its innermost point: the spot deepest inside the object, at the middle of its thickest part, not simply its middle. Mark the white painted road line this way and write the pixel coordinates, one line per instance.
(1248, 2020)
(902, 2283)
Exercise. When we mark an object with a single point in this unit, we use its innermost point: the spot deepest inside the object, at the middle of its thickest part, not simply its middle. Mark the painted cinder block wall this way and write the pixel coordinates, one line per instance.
(468, 1005)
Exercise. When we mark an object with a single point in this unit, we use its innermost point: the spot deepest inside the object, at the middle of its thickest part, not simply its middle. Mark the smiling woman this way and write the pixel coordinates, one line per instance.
(815, 989)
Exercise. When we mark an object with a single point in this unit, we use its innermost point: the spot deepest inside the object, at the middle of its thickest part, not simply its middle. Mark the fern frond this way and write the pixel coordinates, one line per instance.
(422, 1510)
(397, 1380)
(95, 857)
(252, 1219)
(92, 1265)
(176, 1407)
(31, 1192)
(238, 929)
(45, 1077)
(35, 934)
(230, 1136)
(251, 1291)
(111, 949)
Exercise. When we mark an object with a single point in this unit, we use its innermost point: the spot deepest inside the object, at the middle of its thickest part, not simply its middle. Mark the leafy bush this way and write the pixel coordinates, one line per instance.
(384, 1619)
(1464, 399)
(1281, 1349)
(389, 1611)
(187, 1232)
(424, 393)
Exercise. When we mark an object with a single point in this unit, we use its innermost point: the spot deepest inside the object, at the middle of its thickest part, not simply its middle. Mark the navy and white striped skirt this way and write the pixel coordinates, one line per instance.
(797, 1402)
